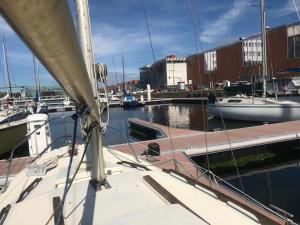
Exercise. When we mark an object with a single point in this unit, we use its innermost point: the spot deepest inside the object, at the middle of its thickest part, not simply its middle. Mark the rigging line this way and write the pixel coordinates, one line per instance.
(75, 117)
(197, 33)
(209, 74)
(129, 145)
(2, 72)
(171, 141)
(128, 139)
(73, 178)
(230, 147)
(185, 170)
(200, 79)
(235, 23)
(148, 29)
(137, 143)
(48, 146)
(18, 145)
(155, 68)
(294, 3)
(150, 40)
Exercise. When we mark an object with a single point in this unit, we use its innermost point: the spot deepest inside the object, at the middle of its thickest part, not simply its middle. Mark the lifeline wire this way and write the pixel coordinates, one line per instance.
(60, 209)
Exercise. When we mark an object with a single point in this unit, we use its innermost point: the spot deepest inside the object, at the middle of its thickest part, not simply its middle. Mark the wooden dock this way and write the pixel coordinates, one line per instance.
(17, 165)
(179, 145)
(195, 143)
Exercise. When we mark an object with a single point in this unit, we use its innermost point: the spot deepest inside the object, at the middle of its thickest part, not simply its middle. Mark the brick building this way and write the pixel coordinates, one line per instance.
(241, 60)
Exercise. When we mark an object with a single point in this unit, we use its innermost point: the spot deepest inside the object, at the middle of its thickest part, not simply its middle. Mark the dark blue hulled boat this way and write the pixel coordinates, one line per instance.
(129, 101)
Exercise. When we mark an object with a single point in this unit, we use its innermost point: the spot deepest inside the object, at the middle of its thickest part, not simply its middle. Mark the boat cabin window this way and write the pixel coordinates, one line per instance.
(37, 127)
(234, 100)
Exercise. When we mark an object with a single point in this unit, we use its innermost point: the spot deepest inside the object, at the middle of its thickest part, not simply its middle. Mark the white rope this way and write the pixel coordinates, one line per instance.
(101, 73)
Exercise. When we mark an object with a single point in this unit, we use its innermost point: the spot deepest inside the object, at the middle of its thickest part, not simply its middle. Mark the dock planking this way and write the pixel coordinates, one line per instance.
(194, 143)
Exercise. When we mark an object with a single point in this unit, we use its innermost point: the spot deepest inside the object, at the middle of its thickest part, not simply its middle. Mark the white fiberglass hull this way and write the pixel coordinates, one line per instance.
(256, 112)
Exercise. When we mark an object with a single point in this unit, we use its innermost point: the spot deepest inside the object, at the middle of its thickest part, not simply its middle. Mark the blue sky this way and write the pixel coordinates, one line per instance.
(118, 26)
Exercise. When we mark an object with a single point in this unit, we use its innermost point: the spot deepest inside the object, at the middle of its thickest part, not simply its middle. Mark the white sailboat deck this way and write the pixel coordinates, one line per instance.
(130, 200)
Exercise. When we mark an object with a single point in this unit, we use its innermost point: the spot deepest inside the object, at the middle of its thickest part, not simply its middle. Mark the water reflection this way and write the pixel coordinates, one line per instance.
(278, 186)
(192, 117)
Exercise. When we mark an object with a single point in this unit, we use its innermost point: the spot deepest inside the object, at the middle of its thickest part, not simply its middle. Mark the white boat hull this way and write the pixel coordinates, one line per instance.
(256, 112)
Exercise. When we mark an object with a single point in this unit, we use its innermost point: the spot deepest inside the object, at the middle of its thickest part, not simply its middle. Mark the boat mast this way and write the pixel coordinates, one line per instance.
(264, 46)
(7, 75)
(36, 78)
(116, 89)
(124, 91)
(84, 33)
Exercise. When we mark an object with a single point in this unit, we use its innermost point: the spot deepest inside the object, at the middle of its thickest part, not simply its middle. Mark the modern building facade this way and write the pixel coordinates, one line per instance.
(241, 60)
(168, 73)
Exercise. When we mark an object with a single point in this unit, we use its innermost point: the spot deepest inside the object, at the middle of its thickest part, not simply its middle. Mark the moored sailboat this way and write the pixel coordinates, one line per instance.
(254, 108)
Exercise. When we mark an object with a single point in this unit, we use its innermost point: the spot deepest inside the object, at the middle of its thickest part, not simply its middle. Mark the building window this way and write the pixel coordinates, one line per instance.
(293, 33)
(210, 61)
(252, 51)
(297, 46)
(291, 47)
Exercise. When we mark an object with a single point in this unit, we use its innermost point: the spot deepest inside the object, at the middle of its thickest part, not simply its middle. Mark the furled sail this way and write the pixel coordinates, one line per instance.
(47, 29)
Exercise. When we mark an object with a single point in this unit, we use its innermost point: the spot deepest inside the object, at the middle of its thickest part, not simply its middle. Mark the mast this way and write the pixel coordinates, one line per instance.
(36, 78)
(264, 45)
(7, 75)
(124, 91)
(116, 89)
(84, 33)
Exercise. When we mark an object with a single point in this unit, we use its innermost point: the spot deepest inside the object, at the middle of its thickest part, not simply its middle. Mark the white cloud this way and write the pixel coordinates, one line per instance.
(109, 40)
(216, 30)
(112, 40)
